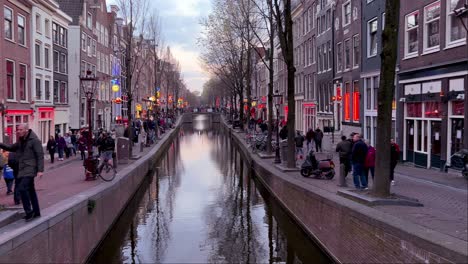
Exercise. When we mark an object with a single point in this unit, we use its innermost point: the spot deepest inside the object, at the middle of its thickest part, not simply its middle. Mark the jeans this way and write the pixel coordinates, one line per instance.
(9, 184)
(28, 195)
(52, 154)
(359, 176)
(372, 171)
(60, 152)
(318, 145)
(347, 164)
(299, 151)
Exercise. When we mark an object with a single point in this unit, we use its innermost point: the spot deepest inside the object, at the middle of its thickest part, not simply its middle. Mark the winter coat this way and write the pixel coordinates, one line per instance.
(310, 135)
(61, 143)
(51, 145)
(395, 154)
(370, 157)
(299, 141)
(283, 133)
(29, 154)
(318, 135)
(82, 143)
(107, 144)
(344, 148)
(359, 152)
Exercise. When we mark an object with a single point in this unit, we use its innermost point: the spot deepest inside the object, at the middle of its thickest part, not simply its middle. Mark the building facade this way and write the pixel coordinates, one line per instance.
(15, 68)
(432, 82)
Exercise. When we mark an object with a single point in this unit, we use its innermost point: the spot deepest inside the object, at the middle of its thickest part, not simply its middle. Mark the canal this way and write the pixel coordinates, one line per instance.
(204, 205)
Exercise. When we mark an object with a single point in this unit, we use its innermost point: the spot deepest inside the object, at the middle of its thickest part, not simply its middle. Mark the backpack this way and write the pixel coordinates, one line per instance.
(8, 173)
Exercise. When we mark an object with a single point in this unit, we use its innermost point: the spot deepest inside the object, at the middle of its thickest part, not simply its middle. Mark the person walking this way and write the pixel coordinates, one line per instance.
(13, 164)
(51, 148)
(299, 139)
(284, 132)
(61, 145)
(310, 137)
(82, 142)
(30, 157)
(318, 140)
(394, 157)
(74, 142)
(358, 158)
(344, 148)
(68, 145)
(370, 162)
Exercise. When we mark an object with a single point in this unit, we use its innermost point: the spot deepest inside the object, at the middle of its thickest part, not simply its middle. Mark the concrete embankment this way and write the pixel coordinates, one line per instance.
(349, 231)
(70, 230)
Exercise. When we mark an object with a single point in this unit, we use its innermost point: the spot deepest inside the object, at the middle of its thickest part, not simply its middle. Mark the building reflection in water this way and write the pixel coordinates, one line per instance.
(204, 205)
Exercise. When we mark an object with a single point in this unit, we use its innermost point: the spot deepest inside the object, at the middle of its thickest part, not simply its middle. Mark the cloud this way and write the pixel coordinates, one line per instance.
(194, 75)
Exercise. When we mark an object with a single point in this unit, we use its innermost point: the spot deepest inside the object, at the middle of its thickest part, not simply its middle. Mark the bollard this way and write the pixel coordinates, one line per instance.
(141, 146)
(342, 179)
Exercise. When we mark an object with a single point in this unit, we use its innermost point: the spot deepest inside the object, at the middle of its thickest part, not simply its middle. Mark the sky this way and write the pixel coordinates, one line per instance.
(181, 28)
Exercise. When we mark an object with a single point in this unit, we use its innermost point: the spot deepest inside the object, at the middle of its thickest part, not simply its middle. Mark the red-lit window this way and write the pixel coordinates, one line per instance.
(22, 82)
(414, 110)
(433, 110)
(458, 108)
(347, 101)
(10, 79)
(338, 93)
(356, 96)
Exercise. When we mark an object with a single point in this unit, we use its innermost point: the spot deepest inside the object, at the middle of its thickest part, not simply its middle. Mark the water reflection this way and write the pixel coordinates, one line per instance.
(203, 206)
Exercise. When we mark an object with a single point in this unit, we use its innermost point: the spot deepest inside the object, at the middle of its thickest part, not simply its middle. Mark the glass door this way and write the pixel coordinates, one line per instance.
(436, 139)
(410, 132)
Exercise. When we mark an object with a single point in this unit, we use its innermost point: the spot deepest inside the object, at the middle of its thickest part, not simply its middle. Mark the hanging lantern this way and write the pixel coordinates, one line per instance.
(115, 88)
(118, 100)
(138, 107)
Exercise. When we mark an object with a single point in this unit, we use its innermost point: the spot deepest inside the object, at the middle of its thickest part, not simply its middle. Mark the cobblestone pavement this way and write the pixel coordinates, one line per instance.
(444, 196)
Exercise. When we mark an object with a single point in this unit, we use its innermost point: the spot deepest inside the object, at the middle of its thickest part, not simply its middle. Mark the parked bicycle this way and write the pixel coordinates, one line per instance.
(106, 171)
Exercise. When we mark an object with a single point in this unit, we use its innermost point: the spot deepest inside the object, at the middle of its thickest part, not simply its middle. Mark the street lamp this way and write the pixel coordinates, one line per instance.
(89, 83)
(278, 100)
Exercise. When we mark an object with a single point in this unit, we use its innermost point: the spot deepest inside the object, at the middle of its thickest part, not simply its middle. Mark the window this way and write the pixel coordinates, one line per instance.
(319, 59)
(55, 37)
(63, 93)
(456, 33)
(346, 13)
(46, 58)
(383, 21)
(318, 25)
(356, 97)
(376, 91)
(8, 14)
(356, 54)
(325, 57)
(411, 34)
(93, 47)
(339, 57)
(63, 63)
(21, 30)
(56, 61)
(22, 82)
(89, 21)
(330, 55)
(38, 54)
(347, 47)
(372, 38)
(368, 83)
(38, 89)
(83, 41)
(10, 72)
(88, 45)
(47, 90)
(432, 26)
(56, 91)
(63, 37)
(347, 101)
(328, 14)
(47, 28)
(312, 50)
(38, 23)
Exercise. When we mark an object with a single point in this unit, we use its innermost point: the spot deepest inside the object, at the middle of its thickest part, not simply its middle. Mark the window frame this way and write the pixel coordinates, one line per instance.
(38, 97)
(38, 23)
(357, 48)
(63, 63)
(356, 102)
(406, 37)
(339, 57)
(47, 28)
(46, 57)
(13, 78)
(24, 28)
(25, 78)
(349, 60)
(89, 20)
(83, 41)
(11, 21)
(37, 54)
(369, 36)
(56, 61)
(448, 28)
(426, 23)
(343, 13)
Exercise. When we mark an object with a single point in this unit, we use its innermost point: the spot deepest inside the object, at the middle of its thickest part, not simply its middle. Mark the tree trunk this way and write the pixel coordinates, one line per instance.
(381, 186)
(291, 71)
(270, 84)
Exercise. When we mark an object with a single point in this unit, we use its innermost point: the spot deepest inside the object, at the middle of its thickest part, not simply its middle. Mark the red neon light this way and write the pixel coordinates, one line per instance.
(347, 106)
(356, 106)
(45, 109)
(19, 112)
(309, 105)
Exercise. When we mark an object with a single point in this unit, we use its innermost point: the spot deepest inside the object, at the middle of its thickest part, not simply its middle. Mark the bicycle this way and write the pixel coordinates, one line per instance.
(105, 171)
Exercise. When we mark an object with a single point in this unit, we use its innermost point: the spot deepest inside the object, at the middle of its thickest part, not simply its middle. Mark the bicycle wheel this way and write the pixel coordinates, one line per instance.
(107, 172)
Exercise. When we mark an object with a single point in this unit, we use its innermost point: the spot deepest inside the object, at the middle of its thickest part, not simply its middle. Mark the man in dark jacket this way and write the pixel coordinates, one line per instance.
(318, 140)
(358, 158)
(30, 158)
(344, 148)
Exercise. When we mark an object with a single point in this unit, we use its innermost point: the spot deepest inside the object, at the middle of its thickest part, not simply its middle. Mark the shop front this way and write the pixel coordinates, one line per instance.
(310, 116)
(45, 123)
(14, 118)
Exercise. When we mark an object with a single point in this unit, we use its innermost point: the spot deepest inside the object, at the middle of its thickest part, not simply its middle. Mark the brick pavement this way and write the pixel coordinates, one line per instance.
(444, 196)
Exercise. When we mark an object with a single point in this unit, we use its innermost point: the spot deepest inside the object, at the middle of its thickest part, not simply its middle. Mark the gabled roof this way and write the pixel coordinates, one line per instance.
(73, 8)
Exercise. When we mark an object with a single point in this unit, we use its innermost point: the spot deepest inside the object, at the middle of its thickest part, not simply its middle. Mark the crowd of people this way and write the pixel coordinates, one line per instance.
(358, 156)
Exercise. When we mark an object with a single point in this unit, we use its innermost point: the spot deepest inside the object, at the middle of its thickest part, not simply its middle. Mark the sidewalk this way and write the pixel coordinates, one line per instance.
(62, 180)
(444, 196)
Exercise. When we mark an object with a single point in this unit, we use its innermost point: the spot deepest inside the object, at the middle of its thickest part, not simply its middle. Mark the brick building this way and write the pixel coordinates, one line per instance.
(15, 68)
(432, 81)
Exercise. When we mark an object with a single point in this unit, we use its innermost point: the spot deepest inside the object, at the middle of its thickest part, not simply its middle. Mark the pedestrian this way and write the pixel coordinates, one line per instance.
(51, 148)
(344, 148)
(284, 132)
(61, 145)
(318, 140)
(394, 157)
(370, 161)
(7, 171)
(299, 139)
(74, 141)
(68, 145)
(30, 157)
(358, 158)
(310, 135)
(82, 145)
(13, 164)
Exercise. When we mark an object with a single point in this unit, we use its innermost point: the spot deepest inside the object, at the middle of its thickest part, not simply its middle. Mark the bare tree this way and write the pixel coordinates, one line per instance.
(385, 97)
(284, 23)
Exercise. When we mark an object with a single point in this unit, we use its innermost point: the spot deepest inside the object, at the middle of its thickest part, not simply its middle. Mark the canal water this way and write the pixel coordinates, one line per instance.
(204, 205)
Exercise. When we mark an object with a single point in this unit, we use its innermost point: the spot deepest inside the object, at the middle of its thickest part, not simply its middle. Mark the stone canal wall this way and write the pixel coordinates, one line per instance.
(351, 232)
(68, 232)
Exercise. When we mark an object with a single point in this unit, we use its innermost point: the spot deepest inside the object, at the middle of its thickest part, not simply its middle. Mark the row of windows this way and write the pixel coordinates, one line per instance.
(16, 90)
(324, 57)
(455, 33)
(59, 35)
(351, 54)
(88, 45)
(9, 25)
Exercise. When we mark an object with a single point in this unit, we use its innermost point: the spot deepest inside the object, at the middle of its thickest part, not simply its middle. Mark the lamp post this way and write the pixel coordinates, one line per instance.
(277, 99)
(253, 106)
(89, 85)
